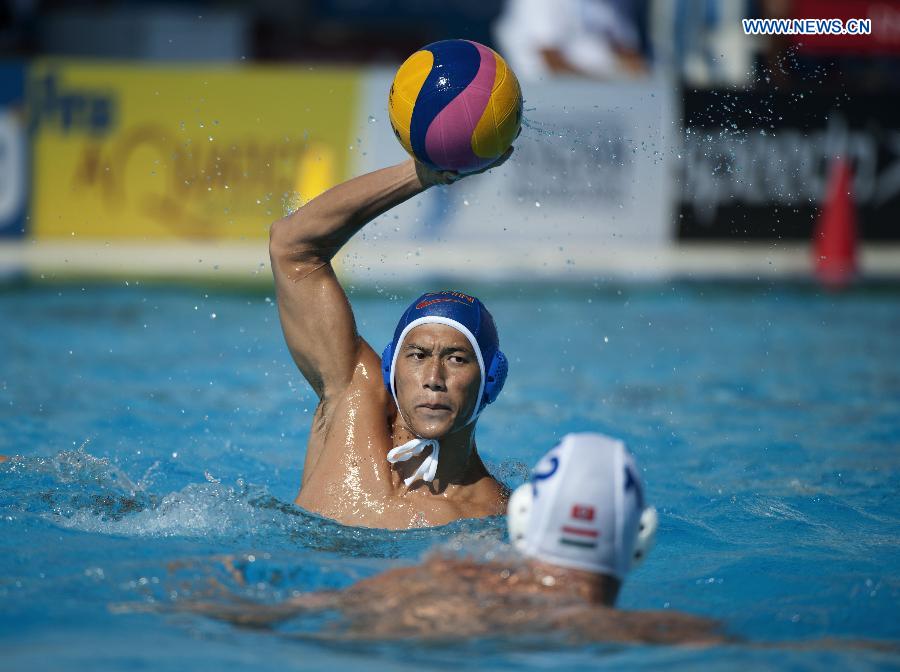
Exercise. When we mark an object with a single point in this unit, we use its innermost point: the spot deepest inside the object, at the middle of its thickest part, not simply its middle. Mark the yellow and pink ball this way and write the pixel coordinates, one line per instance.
(455, 105)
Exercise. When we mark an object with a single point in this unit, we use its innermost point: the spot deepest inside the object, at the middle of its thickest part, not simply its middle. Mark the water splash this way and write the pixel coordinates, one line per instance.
(78, 491)
(544, 129)
(68, 483)
(291, 202)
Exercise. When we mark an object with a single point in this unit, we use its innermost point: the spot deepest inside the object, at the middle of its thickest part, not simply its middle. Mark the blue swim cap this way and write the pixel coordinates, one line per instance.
(467, 315)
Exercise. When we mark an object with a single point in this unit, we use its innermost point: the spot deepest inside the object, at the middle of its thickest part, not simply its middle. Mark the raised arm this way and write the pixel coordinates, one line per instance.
(315, 314)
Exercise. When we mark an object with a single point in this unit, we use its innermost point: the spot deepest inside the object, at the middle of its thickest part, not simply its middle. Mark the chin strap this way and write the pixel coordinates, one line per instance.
(428, 468)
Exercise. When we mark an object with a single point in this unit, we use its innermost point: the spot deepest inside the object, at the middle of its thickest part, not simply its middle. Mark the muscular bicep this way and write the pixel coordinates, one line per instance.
(317, 322)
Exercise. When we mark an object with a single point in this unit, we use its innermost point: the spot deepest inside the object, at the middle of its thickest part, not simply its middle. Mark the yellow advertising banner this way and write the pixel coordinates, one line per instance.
(129, 151)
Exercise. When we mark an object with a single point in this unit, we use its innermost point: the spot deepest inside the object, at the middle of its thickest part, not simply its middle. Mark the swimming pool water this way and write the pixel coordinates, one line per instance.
(167, 424)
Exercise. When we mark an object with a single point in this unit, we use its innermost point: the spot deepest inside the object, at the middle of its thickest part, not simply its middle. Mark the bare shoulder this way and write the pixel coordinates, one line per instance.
(485, 496)
(651, 627)
(365, 399)
(346, 456)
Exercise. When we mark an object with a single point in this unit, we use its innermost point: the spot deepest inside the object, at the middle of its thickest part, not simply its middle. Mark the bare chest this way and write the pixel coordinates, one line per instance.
(351, 481)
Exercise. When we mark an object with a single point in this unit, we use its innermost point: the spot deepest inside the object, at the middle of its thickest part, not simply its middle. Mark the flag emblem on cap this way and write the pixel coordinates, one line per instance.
(580, 535)
(582, 512)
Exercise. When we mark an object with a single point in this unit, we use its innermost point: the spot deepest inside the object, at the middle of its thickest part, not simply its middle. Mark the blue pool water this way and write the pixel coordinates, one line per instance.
(167, 424)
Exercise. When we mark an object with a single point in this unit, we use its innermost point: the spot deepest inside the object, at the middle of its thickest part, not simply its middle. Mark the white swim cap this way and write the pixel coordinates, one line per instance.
(584, 508)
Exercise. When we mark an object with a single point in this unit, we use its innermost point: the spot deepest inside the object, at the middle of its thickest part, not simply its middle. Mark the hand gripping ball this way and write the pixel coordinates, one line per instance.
(455, 105)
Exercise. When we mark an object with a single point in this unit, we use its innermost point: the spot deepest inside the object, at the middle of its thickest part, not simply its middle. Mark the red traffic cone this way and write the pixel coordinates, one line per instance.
(834, 238)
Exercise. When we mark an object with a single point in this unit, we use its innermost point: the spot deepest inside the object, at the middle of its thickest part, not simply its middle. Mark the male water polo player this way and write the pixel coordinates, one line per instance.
(392, 442)
(579, 526)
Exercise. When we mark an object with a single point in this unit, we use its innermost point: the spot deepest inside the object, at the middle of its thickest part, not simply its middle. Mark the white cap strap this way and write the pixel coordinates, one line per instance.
(428, 469)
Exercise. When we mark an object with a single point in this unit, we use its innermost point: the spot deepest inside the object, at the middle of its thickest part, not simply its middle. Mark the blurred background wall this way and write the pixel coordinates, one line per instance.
(143, 137)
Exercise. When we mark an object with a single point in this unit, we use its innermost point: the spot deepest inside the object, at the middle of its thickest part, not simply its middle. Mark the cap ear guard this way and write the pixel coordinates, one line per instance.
(495, 377)
(518, 513)
(646, 536)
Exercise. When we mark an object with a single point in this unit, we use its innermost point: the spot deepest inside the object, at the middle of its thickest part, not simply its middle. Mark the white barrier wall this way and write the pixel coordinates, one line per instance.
(590, 180)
